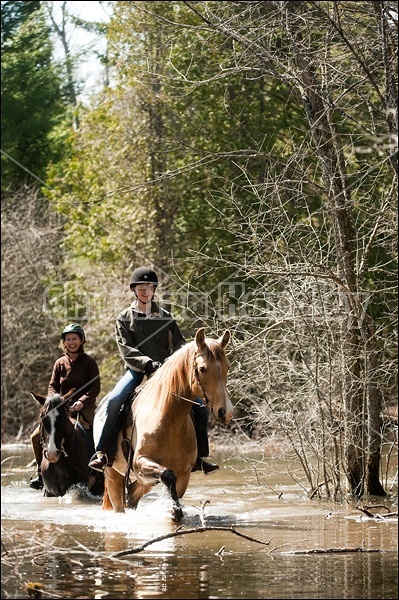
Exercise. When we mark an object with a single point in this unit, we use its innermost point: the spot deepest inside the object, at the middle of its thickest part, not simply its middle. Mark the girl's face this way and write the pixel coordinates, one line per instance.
(72, 342)
(145, 292)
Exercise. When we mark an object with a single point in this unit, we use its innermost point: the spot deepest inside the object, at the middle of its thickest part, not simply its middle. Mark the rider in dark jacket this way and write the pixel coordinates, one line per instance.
(146, 335)
(78, 370)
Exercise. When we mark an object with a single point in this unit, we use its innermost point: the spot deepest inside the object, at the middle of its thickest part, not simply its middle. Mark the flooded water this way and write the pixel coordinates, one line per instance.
(68, 545)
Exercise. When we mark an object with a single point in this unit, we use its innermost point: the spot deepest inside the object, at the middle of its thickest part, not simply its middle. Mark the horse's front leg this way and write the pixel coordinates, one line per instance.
(114, 490)
(150, 473)
(169, 479)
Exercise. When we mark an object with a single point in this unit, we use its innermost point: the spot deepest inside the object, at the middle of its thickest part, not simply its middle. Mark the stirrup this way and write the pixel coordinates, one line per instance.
(98, 463)
(126, 448)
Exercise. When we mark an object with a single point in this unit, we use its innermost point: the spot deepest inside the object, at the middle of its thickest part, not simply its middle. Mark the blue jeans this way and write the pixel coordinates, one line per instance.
(116, 401)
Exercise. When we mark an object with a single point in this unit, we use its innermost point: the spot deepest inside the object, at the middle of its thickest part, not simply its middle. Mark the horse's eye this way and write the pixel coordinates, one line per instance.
(202, 369)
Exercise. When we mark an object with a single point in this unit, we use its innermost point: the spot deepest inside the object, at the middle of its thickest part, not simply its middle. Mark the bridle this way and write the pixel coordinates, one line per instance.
(207, 402)
(44, 443)
(43, 440)
(198, 381)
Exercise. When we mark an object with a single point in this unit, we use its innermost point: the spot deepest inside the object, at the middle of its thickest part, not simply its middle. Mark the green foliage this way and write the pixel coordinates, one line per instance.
(31, 94)
(154, 158)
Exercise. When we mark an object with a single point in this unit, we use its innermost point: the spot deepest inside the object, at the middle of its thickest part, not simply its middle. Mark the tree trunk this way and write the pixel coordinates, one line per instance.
(374, 421)
(320, 113)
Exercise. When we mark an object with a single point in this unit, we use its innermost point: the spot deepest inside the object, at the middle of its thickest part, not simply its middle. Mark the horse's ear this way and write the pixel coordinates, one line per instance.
(200, 338)
(225, 338)
(38, 397)
(69, 394)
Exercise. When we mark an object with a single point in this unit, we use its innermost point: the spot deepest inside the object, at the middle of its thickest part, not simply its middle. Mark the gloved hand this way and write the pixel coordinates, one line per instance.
(151, 367)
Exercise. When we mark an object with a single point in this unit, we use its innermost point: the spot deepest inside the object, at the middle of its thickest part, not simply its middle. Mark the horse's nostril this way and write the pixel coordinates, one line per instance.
(222, 415)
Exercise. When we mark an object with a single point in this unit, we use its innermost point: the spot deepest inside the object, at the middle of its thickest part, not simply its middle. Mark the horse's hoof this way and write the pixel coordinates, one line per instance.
(36, 483)
(177, 515)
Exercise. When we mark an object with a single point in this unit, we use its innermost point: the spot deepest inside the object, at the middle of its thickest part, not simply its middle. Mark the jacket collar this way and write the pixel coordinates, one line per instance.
(155, 310)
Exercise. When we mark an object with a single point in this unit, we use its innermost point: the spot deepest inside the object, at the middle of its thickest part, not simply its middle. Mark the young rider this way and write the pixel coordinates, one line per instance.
(146, 335)
(78, 370)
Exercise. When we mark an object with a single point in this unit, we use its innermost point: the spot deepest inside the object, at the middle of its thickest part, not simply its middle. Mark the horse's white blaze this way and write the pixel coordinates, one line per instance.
(229, 410)
(226, 405)
(52, 450)
(220, 399)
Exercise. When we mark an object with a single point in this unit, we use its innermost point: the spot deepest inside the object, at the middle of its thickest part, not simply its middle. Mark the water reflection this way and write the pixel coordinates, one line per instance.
(66, 544)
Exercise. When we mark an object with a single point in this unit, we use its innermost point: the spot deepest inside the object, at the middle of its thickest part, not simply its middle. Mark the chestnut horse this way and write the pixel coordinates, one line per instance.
(66, 448)
(160, 429)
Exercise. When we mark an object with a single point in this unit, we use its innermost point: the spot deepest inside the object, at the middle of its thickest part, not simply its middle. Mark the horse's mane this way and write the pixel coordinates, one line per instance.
(174, 377)
(52, 402)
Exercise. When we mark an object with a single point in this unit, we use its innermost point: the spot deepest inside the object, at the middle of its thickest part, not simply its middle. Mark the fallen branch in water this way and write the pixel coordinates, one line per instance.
(332, 550)
(180, 531)
(365, 510)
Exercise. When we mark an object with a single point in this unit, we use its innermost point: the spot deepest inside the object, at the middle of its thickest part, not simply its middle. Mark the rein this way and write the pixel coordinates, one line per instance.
(188, 400)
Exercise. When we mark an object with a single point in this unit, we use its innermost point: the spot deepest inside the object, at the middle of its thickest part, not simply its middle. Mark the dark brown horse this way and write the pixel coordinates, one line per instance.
(67, 448)
(160, 428)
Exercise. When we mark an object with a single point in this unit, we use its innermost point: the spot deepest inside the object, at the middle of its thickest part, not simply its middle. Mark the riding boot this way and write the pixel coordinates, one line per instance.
(200, 415)
(204, 465)
(37, 482)
(100, 461)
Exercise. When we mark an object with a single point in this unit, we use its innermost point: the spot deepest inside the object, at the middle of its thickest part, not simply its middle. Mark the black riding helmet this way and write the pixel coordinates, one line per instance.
(143, 275)
(73, 328)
